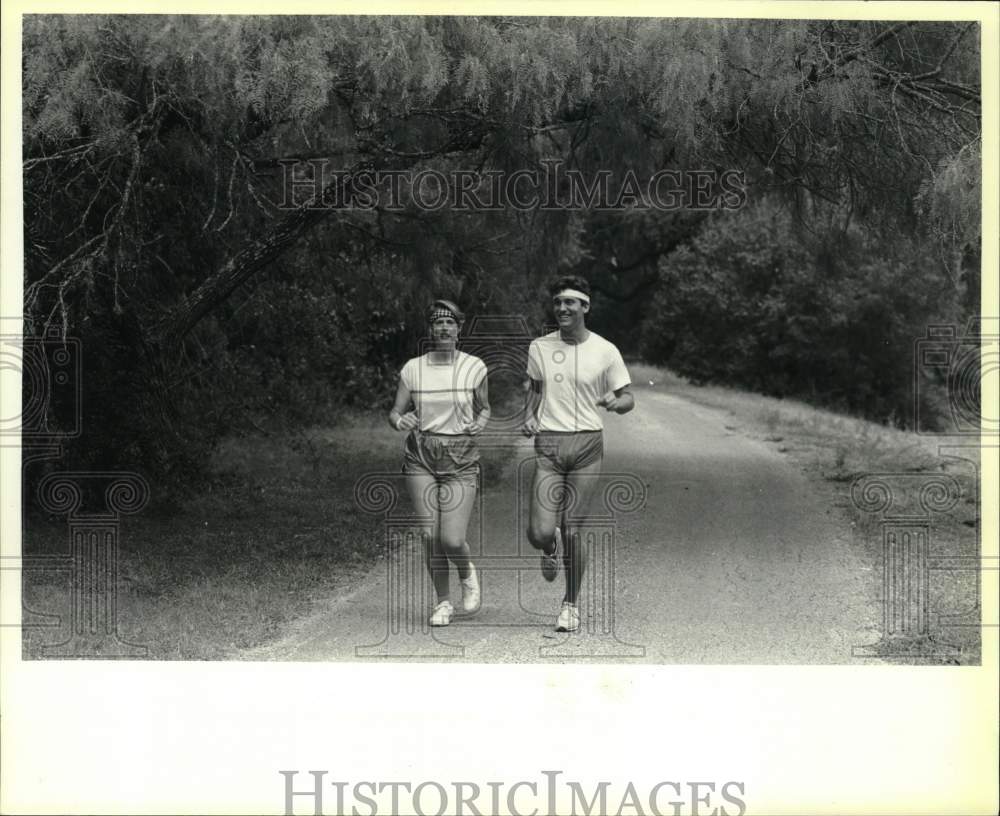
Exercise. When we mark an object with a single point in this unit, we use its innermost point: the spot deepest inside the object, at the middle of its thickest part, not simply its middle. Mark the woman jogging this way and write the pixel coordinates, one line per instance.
(447, 389)
(573, 373)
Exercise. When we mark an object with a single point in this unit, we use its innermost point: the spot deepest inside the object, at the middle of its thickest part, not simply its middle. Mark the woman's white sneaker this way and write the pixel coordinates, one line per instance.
(471, 596)
(441, 616)
(569, 618)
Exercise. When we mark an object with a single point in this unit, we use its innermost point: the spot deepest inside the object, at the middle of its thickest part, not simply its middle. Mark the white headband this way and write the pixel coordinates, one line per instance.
(574, 293)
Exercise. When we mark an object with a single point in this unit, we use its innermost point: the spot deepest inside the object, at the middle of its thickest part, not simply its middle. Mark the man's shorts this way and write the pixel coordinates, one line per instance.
(561, 452)
(447, 457)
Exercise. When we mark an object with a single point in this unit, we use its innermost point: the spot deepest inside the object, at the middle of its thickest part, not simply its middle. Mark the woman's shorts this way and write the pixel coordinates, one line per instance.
(565, 452)
(447, 457)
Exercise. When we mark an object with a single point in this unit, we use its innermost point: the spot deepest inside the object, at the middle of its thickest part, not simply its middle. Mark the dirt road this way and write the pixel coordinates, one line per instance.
(732, 557)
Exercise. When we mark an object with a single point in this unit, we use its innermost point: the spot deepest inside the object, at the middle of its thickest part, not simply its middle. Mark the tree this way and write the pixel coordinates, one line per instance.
(153, 151)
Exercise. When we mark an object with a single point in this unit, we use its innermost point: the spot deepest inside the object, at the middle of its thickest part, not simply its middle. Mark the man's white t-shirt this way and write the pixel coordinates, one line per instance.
(574, 377)
(443, 392)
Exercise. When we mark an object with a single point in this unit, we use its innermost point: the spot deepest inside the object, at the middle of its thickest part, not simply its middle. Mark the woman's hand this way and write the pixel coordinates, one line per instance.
(397, 419)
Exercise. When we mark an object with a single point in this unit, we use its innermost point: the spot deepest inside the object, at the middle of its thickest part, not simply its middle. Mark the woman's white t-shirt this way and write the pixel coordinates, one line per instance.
(443, 392)
(574, 377)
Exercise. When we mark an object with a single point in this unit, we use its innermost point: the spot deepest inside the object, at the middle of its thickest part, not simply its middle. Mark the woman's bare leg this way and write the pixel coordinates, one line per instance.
(423, 489)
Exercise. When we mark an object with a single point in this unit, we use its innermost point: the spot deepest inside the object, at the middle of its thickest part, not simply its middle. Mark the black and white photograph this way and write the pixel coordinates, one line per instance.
(387, 343)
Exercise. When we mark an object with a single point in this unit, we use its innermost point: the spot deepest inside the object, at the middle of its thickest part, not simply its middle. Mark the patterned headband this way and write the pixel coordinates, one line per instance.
(439, 312)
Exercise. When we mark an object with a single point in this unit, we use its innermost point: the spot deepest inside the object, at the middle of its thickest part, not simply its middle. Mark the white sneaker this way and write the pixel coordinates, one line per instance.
(442, 614)
(550, 561)
(470, 591)
(569, 618)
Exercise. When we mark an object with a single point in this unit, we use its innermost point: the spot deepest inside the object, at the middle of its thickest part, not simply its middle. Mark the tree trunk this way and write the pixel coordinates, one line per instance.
(217, 288)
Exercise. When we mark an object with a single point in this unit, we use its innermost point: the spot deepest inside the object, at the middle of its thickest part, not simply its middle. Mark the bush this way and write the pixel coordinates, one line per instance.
(832, 319)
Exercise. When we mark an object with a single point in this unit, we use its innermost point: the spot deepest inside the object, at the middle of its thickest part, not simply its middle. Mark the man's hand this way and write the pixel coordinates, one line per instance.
(408, 421)
(530, 427)
(621, 404)
(609, 402)
(477, 426)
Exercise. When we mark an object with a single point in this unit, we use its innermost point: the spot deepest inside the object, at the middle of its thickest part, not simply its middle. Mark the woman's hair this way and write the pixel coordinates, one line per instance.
(569, 282)
(447, 306)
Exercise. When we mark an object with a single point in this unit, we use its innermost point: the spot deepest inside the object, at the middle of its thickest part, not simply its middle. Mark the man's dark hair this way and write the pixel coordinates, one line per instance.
(569, 282)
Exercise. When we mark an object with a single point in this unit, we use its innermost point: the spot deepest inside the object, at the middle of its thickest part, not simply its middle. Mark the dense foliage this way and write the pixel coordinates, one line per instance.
(752, 302)
(154, 231)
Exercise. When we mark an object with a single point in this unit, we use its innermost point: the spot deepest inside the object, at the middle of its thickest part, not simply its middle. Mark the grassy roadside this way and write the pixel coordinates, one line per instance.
(832, 446)
(832, 450)
(276, 530)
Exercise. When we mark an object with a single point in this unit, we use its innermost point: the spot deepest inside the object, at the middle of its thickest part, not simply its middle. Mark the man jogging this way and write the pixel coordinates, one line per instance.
(573, 373)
